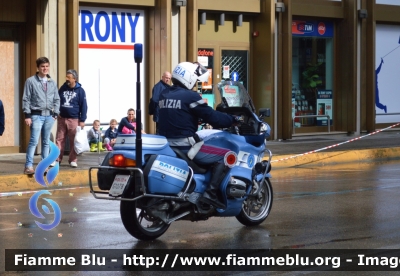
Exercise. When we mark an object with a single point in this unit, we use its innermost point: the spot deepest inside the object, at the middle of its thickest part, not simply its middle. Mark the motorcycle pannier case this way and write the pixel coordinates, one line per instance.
(168, 175)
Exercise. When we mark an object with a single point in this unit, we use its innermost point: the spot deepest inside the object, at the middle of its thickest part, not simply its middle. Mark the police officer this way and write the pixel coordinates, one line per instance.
(180, 109)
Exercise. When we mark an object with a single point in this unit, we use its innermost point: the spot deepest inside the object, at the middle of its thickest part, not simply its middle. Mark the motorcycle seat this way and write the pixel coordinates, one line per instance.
(196, 168)
(149, 142)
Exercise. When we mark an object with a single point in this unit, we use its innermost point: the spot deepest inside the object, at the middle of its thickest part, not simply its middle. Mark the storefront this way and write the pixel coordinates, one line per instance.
(13, 40)
(224, 48)
(312, 73)
(10, 70)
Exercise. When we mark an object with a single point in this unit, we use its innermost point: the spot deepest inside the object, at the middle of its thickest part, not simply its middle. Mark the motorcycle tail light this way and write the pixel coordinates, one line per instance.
(230, 159)
(119, 160)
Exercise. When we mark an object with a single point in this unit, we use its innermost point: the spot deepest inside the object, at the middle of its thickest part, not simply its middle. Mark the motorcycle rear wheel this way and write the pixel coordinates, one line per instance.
(256, 210)
(140, 224)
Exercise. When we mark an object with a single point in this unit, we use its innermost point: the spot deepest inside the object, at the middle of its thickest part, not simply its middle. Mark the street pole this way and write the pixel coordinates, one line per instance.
(138, 54)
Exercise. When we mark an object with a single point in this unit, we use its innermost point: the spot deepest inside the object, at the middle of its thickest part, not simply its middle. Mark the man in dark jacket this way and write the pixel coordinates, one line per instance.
(180, 111)
(157, 89)
(73, 112)
(2, 118)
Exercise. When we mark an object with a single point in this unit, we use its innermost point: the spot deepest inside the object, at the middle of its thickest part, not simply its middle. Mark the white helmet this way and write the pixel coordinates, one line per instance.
(188, 73)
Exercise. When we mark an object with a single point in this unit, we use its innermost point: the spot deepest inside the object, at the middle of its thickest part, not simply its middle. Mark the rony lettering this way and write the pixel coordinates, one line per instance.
(110, 24)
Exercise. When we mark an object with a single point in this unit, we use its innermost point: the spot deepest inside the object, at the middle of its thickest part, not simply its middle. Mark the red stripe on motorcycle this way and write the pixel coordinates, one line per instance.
(213, 150)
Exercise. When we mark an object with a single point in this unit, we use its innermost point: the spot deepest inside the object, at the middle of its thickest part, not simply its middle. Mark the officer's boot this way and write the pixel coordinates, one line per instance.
(210, 195)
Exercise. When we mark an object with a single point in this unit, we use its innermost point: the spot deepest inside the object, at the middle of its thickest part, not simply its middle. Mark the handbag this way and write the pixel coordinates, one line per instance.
(126, 130)
(81, 143)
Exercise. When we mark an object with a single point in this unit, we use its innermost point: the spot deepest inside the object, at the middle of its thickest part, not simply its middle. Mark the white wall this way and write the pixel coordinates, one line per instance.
(388, 48)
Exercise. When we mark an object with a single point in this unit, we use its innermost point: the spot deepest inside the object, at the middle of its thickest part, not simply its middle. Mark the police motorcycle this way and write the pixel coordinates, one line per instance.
(166, 185)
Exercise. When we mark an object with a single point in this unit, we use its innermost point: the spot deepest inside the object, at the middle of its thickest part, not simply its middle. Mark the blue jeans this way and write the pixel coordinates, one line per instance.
(41, 125)
(94, 141)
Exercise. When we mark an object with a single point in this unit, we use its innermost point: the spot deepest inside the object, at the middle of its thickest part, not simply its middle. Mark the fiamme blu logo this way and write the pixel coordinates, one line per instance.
(45, 179)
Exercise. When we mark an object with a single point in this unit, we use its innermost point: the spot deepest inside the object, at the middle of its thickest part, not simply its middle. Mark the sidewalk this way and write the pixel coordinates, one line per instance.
(378, 147)
(336, 149)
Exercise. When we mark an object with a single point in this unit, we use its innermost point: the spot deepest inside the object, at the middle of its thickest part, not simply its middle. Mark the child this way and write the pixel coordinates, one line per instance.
(94, 137)
(111, 135)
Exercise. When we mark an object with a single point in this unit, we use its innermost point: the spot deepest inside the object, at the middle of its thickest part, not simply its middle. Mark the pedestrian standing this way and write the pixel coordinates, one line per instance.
(73, 112)
(157, 89)
(40, 104)
(2, 118)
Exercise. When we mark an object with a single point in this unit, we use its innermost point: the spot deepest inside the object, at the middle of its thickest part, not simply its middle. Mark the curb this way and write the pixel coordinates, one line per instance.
(14, 183)
(19, 182)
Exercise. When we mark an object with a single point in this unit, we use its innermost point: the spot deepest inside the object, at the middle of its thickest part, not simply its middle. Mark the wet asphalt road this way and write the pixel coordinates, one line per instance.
(353, 206)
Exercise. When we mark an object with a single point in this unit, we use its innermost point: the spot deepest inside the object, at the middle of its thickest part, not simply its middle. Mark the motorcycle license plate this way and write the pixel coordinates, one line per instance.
(119, 185)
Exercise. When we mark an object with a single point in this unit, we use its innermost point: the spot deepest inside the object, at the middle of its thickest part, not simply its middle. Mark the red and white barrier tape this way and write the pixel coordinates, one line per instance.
(352, 140)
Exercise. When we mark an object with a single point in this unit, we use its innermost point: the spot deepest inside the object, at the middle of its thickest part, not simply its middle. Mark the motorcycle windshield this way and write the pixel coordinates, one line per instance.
(235, 94)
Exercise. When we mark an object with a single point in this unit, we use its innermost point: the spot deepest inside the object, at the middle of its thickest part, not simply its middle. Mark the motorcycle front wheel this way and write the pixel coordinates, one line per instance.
(256, 209)
(139, 223)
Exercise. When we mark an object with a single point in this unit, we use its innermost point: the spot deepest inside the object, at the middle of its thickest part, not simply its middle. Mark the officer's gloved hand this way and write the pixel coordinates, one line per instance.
(237, 120)
(221, 107)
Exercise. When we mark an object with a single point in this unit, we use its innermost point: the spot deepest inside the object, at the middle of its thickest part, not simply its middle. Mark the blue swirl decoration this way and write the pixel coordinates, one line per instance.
(41, 168)
(35, 211)
(40, 172)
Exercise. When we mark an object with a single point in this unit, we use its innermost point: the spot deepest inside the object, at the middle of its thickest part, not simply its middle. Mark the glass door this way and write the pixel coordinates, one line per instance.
(234, 66)
(312, 73)
(223, 64)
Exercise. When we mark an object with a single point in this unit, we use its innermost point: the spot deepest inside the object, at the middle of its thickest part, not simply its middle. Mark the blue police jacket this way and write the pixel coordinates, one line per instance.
(180, 111)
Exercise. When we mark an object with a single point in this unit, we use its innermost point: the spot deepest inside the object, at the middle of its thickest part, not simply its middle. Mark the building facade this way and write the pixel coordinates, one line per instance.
(315, 63)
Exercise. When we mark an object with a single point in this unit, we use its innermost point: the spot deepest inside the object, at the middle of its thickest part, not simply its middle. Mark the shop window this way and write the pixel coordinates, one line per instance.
(388, 2)
(312, 73)
(206, 58)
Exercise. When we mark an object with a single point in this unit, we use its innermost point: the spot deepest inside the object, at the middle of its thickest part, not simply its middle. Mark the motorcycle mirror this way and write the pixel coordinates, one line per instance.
(264, 112)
